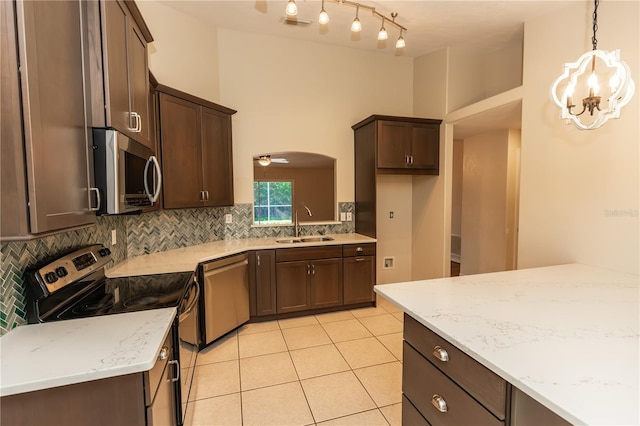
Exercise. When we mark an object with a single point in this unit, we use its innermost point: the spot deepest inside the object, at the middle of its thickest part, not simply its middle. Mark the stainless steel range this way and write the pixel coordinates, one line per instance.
(75, 286)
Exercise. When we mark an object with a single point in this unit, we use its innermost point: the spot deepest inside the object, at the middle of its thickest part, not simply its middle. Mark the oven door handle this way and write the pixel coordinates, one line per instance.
(193, 304)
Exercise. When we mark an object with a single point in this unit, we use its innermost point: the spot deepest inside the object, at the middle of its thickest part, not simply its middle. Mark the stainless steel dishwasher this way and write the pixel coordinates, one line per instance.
(225, 284)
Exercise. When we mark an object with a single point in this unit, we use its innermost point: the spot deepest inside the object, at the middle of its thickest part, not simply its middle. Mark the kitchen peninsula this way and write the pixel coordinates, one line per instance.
(566, 336)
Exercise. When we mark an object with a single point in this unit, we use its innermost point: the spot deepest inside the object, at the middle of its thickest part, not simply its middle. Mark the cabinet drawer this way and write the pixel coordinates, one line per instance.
(480, 382)
(351, 250)
(308, 253)
(422, 383)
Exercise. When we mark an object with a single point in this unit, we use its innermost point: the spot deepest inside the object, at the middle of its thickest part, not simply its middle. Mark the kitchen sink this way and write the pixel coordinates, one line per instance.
(315, 239)
(303, 240)
(288, 240)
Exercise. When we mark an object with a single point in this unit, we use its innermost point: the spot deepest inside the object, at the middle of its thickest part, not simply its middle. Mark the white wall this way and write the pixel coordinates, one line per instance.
(488, 194)
(184, 52)
(294, 95)
(573, 182)
(394, 235)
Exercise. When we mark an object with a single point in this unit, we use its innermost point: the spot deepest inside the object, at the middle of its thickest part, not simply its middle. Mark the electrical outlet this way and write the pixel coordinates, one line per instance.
(343, 216)
(349, 217)
(388, 262)
(390, 215)
(114, 237)
(228, 218)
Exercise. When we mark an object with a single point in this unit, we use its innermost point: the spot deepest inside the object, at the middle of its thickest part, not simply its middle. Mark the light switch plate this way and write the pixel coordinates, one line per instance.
(114, 237)
(343, 216)
(228, 218)
(349, 217)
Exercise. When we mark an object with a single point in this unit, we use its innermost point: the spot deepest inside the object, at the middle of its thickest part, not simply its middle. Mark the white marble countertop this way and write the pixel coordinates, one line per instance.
(568, 335)
(186, 259)
(41, 356)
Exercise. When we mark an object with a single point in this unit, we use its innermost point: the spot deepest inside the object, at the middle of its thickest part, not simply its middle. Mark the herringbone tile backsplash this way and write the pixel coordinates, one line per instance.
(146, 233)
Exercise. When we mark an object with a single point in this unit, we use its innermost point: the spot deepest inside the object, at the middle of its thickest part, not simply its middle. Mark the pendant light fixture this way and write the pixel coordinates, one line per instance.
(585, 75)
(324, 16)
(356, 26)
(292, 9)
(400, 44)
(382, 34)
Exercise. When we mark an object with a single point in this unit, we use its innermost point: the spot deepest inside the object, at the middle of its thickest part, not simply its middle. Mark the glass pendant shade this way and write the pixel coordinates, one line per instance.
(356, 26)
(323, 18)
(400, 44)
(292, 9)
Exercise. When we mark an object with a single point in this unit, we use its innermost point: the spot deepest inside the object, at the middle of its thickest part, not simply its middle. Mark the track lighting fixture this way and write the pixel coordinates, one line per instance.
(292, 9)
(356, 25)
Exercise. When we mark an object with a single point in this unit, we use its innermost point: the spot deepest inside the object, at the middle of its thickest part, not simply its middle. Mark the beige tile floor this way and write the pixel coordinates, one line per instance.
(342, 368)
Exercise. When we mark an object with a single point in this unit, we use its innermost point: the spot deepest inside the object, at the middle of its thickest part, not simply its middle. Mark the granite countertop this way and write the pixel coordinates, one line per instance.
(568, 335)
(41, 356)
(186, 259)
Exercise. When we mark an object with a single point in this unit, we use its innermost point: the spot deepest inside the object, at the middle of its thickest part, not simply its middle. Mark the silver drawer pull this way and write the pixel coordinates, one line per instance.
(177, 364)
(164, 353)
(439, 402)
(441, 354)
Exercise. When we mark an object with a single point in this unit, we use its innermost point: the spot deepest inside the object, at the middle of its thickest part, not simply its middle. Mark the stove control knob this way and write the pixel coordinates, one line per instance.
(50, 277)
(104, 252)
(61, 271)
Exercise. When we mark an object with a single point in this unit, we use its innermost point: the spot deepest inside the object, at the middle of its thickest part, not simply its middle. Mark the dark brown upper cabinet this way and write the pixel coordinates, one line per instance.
(46, 159)
(197, 161)
(119, 69)
(403, 145)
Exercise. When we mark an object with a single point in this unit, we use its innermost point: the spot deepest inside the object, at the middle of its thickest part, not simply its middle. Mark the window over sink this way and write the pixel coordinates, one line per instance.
(286, 181)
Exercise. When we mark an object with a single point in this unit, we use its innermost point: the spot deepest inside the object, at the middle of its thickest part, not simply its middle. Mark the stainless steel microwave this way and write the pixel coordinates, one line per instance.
(127, 174)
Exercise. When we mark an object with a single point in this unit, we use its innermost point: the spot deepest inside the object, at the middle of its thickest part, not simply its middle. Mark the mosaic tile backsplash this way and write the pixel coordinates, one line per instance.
(146, 233)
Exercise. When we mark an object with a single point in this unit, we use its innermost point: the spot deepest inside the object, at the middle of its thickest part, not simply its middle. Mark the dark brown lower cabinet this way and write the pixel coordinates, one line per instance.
(442, 385)
(262, 282)
(308, 284)
(359, 265)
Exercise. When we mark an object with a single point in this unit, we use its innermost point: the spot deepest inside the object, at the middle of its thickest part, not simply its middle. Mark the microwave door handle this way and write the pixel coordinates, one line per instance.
(153, 198)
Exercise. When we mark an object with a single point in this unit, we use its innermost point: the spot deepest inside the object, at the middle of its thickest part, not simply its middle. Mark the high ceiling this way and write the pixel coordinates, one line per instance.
(431, 24)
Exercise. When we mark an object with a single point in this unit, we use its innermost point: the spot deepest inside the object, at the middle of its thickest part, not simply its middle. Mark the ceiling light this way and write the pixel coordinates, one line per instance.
(292, 9)
(264, 160)
(324, 16)
(356, 26)
(400, 44)
(382, 34)
(583, 73)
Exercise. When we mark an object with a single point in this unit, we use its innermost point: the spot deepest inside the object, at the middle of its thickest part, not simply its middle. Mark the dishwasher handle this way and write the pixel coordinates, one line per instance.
(213, 269)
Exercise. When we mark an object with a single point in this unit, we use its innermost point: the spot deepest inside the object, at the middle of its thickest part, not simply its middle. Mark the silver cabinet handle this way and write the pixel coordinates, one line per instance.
(359, 249)
(439, 402)
(308, 269)
(164, 353)
(313, 269)
(137, 127)
(258, 259)
(153, 198)
(359, 259)
(97, 191)
(177, 364)
(441, 354)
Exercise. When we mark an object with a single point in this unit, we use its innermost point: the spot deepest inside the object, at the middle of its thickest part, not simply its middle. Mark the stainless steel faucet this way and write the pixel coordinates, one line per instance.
(296, 231)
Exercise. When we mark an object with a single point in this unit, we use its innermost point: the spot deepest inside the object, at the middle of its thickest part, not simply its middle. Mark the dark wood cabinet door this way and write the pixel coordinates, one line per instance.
(265, 285)
(116, 27)
(326, 283)
(181, 153)
(217, 158)
(139, 83)
(425, 146)
(56, 135)
(392, 145)
(359, 279)
(292, 281)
